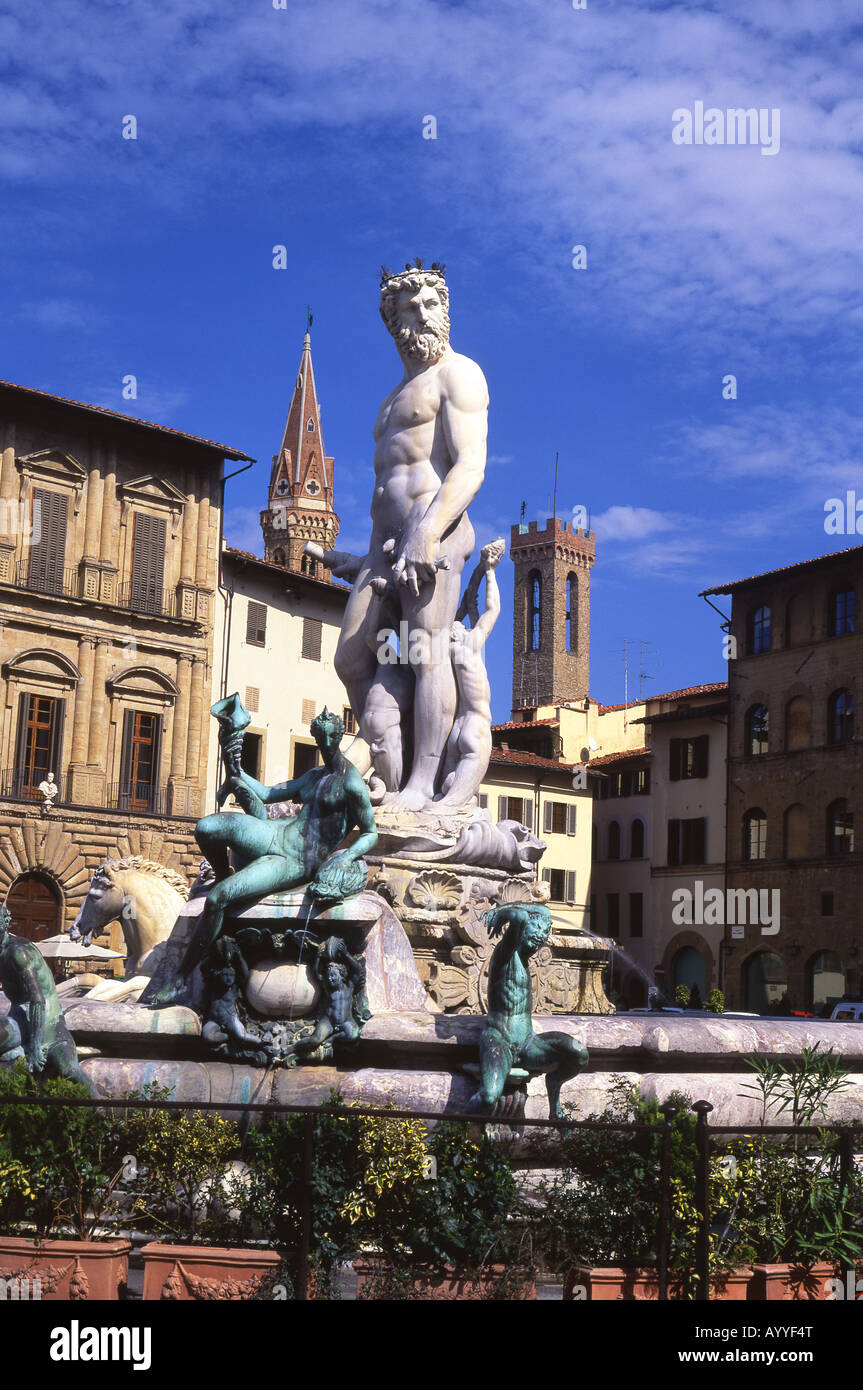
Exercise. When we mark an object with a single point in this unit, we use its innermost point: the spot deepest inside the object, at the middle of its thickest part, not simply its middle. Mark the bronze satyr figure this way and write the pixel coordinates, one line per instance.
(508, 1039)
(34, 1027)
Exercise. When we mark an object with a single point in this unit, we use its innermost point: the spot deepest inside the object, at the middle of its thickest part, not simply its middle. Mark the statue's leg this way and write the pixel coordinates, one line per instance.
(63, 1061)
(431, 614)
(271, 873)
(560, 1056)
(495, 1059)
(355, 662)
(216, 835)
(11, 1043)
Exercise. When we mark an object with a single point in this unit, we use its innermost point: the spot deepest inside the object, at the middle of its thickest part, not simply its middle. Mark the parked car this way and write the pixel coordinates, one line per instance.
(848, 1011)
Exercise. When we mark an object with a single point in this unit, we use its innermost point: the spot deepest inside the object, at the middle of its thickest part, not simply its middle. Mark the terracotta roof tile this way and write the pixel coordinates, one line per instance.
(783, 569)
(223, 449)
(669, 695)
(515, 755)
(331, 586)
(620, 757)
(526, 724)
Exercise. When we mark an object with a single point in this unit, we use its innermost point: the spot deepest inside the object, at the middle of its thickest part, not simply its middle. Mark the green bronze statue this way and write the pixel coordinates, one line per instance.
(274, 855)
(34, 1028)
(508, 1040)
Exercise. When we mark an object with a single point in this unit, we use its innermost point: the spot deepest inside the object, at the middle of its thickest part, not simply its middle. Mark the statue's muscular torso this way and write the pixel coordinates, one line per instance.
(412, 454)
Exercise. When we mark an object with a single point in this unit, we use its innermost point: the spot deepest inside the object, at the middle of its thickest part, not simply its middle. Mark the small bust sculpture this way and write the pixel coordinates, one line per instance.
(50, 792)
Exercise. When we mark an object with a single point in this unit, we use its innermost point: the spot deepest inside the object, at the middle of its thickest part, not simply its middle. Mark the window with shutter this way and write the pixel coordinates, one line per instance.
(139, 760)
(636, 914)
(569, 891)
(547, 818)
(48, 554)
(148, 563)
(571, 813)
(312, 628)
(38, 749)
(253, 698)
(501, 808)
(613, 913)
(674, 842)
(256, 624)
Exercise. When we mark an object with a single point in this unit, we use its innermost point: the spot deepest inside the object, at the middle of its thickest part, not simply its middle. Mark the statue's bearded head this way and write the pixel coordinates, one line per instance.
(415, 309)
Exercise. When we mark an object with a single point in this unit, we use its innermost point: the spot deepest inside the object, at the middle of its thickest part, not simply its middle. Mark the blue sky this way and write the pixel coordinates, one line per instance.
(303, 127)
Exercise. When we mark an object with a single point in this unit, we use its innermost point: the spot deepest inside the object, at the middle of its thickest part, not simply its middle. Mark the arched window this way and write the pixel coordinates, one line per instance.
(757, 728)
(796, 832)
(765, 983)
(758, 636)
(840, 717)
(279, 557)
(840, 827)
(310, 425)
(636, 839)
(798, 723)
(755, 834)
(614, 839)
(841, 612)
(826, 979)
(35, 906)
(309, 565)
(689, 969)
(534, 612)
(571, 612)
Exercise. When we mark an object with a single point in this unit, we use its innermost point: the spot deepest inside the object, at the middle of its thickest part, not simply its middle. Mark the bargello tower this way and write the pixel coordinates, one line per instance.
(551, 613)
(301, 496)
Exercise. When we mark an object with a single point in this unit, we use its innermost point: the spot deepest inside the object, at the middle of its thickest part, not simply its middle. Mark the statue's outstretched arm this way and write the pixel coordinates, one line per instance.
(363, 816)
(283, 791)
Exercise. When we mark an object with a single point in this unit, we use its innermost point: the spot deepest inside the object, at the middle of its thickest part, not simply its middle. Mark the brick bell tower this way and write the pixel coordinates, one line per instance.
(551, 613)
(301, 496)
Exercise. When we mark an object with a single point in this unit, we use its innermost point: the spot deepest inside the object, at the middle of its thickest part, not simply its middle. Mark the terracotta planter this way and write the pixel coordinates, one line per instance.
(194, 1273)
(445, 1285)
(612, 1283)
(67, 1270)
(787, 1283)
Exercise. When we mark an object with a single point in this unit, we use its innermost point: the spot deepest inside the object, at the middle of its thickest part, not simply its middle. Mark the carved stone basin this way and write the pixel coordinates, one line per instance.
(279, 989)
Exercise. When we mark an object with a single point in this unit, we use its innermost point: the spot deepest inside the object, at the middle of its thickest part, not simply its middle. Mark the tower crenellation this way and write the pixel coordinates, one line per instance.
(551, 612)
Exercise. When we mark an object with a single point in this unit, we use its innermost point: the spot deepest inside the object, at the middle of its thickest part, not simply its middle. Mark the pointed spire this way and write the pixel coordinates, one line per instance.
(302, 476)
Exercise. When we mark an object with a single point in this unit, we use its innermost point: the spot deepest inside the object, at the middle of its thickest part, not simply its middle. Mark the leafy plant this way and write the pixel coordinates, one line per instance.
(60, 1167)
(180, 1188)
(715, 1002)
(681, 996)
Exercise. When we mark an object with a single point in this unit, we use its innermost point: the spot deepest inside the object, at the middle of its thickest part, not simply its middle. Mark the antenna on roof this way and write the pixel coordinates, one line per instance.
(523, 510)
(309, 318)
(554, 504)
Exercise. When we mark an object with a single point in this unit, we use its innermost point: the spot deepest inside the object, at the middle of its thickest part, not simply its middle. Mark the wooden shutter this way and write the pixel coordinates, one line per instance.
(569, 891)
(674, 842)
(571, 812)
(547, 818)
(312, 639)
(674, 747)
(256, 624)
(125, 787)
(55, 756)
(21, 743)
(502, 808)
(157, 758)
(527, 813)
(148, 563)
(699, 836)
(546, 875)
(48, 555)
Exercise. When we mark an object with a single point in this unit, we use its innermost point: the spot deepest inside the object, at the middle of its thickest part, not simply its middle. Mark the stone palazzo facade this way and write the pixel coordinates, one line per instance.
(109, 552)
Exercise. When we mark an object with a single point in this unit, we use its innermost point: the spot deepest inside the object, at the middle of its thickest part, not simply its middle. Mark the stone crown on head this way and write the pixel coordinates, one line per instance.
(437, 271)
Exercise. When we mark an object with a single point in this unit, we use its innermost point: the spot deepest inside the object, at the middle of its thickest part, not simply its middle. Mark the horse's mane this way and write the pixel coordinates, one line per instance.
(149, 866)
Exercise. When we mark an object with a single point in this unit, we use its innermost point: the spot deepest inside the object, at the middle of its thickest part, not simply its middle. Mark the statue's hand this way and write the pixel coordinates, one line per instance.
(36, 1059)
(417, 560)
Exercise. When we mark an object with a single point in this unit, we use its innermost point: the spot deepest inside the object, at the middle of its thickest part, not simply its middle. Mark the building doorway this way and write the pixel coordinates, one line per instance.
(765, 983)
(36, 908)
(690, 970)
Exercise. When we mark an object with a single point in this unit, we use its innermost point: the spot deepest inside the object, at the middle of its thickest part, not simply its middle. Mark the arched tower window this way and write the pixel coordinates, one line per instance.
(759, 631)
(755, 834)
(840, 717)
(757, 730)
(571, 612)
(534, 612)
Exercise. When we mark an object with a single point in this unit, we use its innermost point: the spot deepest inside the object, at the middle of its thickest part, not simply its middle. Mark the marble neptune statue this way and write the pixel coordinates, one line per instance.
(429, 463)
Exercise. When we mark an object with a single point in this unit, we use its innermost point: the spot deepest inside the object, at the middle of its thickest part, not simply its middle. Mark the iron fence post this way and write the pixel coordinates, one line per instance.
(702, 1109)
(306, 1209)
(664, 1235)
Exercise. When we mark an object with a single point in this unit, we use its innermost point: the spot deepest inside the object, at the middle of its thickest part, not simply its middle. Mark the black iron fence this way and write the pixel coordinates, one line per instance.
(849, 1140)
